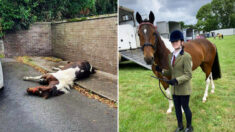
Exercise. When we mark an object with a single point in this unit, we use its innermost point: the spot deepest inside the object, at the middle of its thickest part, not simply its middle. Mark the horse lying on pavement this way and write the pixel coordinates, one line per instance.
(60, 82)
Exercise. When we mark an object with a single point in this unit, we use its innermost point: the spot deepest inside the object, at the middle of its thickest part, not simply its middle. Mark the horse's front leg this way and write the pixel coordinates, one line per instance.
(42, 91)
(167, 89)
(35, 79)
(168, 93)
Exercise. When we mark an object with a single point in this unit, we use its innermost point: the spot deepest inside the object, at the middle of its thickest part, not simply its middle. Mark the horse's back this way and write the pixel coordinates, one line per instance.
(201, 50)
(200, 45)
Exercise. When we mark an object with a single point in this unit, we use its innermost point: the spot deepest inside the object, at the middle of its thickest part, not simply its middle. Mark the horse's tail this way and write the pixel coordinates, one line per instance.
(216, 73)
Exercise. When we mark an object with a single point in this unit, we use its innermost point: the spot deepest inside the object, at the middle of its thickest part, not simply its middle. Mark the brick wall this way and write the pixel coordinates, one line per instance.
(94, 40)
(35, 41)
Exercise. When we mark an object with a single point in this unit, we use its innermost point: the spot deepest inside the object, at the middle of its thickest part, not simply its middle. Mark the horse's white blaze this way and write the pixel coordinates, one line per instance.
(168, 93)
(212, 84)
(206, 91)
(65, 78)
(145, 31)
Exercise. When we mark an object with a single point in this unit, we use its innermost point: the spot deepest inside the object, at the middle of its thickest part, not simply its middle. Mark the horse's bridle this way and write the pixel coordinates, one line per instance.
(149, 44)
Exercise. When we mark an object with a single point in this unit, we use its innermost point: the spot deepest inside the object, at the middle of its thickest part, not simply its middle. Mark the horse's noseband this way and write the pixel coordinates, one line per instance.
(148, 44)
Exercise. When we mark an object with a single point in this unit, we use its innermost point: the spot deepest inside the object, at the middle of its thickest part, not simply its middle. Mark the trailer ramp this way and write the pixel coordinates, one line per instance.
(135, 55)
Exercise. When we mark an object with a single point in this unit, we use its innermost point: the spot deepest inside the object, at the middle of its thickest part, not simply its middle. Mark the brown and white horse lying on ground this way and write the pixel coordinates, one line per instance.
(60, 82)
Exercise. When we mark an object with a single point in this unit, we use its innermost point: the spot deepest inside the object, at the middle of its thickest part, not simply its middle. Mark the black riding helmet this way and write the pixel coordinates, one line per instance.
(176, 35)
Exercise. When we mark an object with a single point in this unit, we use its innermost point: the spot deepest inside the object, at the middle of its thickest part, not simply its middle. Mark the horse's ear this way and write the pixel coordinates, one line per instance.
(151, 17)
(139, 18)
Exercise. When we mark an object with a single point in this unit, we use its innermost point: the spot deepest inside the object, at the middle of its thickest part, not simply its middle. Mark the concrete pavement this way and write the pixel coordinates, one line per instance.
(72, 112)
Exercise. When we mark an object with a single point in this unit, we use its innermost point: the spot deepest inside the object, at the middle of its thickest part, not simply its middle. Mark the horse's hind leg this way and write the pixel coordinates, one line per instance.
(206, 90)
(212, 84)
(35, 79)
(207, 69)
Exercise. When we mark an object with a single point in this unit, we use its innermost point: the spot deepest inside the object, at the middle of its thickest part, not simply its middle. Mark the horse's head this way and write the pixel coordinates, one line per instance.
(85, 70)
(147, 33)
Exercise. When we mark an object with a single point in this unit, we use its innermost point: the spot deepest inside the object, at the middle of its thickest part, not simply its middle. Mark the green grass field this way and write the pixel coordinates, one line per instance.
(142, 107)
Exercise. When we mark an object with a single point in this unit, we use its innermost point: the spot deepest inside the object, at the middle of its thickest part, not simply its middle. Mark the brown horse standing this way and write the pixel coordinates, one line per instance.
(202, 51)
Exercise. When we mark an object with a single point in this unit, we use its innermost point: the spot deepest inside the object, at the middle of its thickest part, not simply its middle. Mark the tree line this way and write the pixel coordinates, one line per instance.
(19, 14)
(218, 14)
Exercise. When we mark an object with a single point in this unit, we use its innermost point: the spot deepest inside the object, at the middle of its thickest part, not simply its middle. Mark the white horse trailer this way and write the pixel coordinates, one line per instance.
(127, 37)
(129, 45)
(166, 27)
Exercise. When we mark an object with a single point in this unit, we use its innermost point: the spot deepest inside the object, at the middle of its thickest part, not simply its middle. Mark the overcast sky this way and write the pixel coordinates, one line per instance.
(167, 10)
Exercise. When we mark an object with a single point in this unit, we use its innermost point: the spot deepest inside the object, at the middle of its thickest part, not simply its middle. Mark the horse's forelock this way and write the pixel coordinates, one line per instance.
(146, 20)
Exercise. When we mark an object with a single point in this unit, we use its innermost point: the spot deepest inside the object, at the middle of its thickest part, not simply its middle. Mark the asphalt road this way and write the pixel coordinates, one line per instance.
(72, 112)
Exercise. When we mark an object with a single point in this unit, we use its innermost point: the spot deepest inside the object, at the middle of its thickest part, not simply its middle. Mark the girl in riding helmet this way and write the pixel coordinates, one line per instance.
(180, 70)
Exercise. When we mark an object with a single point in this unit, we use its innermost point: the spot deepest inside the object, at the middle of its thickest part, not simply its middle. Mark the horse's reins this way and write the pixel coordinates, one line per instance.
(154, 47)
(161, 87)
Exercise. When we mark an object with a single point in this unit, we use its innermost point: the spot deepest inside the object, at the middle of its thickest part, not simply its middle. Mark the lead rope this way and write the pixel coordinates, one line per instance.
(161, 87)
(162, 91)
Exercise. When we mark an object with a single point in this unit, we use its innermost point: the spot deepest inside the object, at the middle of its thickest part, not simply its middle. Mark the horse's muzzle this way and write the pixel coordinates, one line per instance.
(148, 60)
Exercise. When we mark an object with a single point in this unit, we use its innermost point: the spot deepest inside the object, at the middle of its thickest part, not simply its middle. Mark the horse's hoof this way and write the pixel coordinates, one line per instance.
(46, 96)
(204, 100)
(213, 91)
(27, 90)
(54, 68)
(25, 78)
(168, 111)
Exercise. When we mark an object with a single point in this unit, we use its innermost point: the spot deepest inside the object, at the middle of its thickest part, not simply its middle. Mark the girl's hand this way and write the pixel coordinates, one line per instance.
(172, 82)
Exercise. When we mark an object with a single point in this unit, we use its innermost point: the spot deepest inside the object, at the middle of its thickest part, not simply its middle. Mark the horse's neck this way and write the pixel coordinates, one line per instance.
(161, 54)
